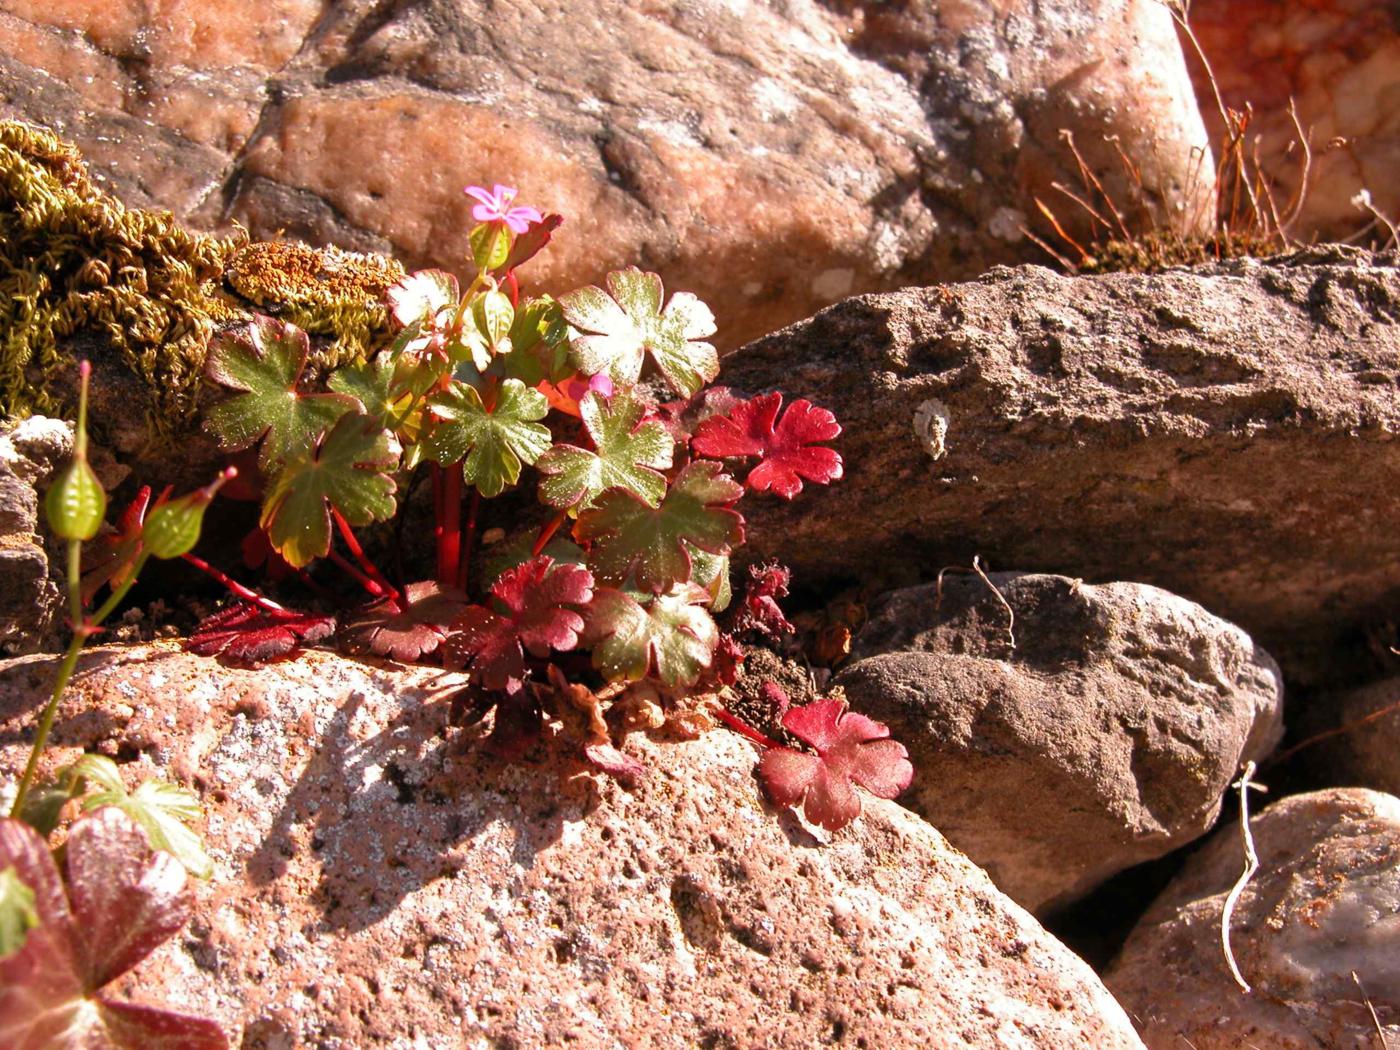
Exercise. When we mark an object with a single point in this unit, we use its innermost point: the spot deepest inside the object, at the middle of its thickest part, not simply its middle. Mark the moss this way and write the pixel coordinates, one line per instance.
(1154, 252)
(76, 263)
(326, 291)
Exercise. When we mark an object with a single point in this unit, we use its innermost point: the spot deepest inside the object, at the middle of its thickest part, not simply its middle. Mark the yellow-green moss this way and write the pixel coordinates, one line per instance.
(326, 291)
(1154, 252)
(75, 262)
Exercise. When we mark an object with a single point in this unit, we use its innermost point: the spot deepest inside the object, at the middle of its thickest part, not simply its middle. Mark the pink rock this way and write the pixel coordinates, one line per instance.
(771, 158)
(381, 884)
(1339, 61)
(1322, 907)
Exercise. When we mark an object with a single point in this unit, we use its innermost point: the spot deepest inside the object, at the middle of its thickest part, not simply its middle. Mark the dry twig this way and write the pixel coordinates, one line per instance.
(1251, 865)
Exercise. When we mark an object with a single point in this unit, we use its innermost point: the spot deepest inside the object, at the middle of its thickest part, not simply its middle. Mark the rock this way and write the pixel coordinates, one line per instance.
(1321, 909)
(1338, 62)
(771, 157)
(378, 882)
(1226, 433)
(30, 452)
(1104, 738)
(1368, 755)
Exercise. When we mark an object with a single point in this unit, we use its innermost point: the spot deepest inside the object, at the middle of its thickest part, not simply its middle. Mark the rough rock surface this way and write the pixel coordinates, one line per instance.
(1339, 62)
(379, 884)
(1365, 756)
(1104, 738)
(1323, 906)
(1228, 434)
(30, 451)
(773, 157)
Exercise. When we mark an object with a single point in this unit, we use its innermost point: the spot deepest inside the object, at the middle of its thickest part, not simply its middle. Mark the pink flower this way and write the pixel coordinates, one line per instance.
(495, 206)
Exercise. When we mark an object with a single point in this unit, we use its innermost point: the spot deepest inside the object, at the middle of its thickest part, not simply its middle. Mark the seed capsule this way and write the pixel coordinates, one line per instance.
(172, 529)
(75, 504)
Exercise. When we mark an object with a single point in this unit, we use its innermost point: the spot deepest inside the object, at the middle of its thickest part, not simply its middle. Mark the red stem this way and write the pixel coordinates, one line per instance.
(514, 287)
(234, 587)
(371, 570)
(465, 562)
(547, 533)
(437, 515)
(450, 523)
(743, 728)
(338, 560)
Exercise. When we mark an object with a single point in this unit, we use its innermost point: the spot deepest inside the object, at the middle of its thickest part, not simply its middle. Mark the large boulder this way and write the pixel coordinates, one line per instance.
(379, 882)
(1315, 935)
(1098, 731)
(771, 157)
(1226, 433)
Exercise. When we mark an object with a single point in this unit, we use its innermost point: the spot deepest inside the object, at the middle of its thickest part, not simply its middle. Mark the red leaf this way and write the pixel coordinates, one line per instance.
(406, 629)
(247, 634)
(113, 556)
(534, 600)
(122, 901)
(258, 552)
(786, 452)
(850, 748)
(530, 243)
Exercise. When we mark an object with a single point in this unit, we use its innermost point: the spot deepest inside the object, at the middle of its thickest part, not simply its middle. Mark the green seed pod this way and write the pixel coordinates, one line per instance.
(75, 504)
(173, 528)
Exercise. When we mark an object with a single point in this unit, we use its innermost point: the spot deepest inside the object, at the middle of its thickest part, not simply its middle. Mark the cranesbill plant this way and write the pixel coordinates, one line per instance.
(598, 401)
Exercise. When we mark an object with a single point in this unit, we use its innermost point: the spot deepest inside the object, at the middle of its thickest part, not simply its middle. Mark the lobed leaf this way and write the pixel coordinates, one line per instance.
(535, 613)
(671, 636)
(121, 903)
(347, 472)
(628, 453)
(491, 444)
(407, 629)
(246, 634)
(620, 326)
(420, 296)
(651, 544)
(785, 449)
(263, 362)
(850, 749)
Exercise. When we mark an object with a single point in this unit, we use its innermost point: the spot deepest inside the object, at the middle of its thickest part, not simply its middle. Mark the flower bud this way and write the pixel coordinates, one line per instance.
(173, 528)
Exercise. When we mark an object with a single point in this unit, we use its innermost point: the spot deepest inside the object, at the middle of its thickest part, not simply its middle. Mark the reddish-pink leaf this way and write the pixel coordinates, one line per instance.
(122, 901)
(409, 628)
(533, 615)
(111, 558)
(785, 447)
(246, 634)
(850, 748)
(529, 243)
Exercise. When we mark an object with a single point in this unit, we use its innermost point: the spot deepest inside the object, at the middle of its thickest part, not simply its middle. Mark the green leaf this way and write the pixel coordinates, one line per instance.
(630, 537)
(618, 327)
(539, 343)
(163, 810)
(347, 472)
(671, 636)
(629, 454)
(371, 383)
(263, 362)
(494, 315)
(17, 913)
(506, 555)
(493, 444)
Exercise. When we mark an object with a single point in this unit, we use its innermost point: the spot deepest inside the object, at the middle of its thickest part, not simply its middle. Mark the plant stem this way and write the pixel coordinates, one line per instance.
(349, 568)
(744, 729)
(547, 533)
(465, 562)
(233, 586)
(371, 570)
(81, 630)
(450, 523)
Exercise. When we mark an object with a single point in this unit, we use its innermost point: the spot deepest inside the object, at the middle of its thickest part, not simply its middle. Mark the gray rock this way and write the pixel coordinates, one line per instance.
(376, 881)
(1106, 737)
(30, 451)
(1324, 906)
(1228, 434)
